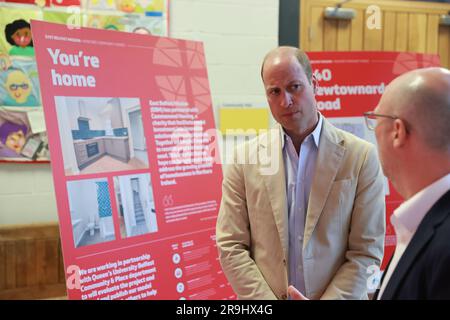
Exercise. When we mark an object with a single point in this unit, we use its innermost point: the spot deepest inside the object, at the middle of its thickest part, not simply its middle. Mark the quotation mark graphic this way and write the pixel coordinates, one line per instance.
(168, 201)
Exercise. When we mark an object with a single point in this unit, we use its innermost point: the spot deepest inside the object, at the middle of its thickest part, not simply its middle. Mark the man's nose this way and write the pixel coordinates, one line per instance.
(287, 100)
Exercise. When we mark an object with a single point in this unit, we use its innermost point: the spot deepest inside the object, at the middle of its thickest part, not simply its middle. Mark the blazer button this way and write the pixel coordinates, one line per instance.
(284, 261)
(284, 296)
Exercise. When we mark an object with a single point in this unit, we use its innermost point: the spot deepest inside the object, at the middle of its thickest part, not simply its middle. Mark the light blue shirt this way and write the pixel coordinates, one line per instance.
(299, 170)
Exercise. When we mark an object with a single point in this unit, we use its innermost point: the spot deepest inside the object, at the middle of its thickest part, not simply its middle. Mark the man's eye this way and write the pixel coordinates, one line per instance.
(296, 87)
(274, 92)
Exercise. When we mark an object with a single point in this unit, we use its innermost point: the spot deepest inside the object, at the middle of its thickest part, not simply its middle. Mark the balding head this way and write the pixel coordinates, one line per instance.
(422, 98)
(285, 52)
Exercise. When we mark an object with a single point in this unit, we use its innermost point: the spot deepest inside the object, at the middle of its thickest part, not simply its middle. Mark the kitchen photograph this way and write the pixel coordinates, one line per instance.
(101, 134)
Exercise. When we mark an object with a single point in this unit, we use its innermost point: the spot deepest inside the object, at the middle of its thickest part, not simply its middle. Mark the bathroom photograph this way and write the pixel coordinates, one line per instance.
(90, 211)
(136, 205)
(101, 134)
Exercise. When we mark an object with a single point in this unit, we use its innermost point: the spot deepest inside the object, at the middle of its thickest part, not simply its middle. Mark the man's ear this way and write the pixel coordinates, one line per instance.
(400, 134)
(314, 83)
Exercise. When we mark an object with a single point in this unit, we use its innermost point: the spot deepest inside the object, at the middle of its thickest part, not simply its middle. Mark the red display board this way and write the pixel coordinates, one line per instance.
(137, 192)
(351, 83)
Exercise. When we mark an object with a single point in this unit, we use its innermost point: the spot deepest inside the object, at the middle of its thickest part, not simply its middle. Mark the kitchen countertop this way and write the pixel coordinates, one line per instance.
(99, 138)
(115, 137)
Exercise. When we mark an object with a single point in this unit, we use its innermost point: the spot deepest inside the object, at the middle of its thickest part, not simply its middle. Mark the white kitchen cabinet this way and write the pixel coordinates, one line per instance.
(118, 148)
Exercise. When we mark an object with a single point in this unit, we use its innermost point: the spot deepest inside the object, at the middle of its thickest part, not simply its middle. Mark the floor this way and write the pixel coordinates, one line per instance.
(139, 229)
(135, 231)
(96, 238)
(107, 163)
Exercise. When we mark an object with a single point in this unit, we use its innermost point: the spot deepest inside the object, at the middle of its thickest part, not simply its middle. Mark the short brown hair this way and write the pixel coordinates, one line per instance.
(301, 56)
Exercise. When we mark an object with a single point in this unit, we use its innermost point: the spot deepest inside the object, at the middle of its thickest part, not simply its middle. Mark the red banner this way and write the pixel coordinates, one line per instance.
(351, 83)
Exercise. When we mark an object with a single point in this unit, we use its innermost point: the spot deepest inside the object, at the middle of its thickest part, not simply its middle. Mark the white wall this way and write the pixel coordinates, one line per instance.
(65, 132)
(83, 199)
(236, 35)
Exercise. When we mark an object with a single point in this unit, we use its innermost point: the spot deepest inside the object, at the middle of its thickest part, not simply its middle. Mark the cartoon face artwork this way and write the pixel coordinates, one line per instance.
(22, 37)
(18, 34)
(18, 87)
(13, 136)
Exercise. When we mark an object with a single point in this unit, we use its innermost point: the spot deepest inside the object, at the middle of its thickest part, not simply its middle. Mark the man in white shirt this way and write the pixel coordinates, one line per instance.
(412, 127)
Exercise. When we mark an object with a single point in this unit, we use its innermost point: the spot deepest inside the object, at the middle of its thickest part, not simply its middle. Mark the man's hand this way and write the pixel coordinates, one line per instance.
(295, 294)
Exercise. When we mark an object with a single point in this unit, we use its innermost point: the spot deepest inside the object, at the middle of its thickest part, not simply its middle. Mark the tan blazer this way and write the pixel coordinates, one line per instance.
(344, 228)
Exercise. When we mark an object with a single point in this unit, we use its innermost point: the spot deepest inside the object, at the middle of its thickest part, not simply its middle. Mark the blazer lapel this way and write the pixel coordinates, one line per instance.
(422, 236)
(329, 159)
(271, 168)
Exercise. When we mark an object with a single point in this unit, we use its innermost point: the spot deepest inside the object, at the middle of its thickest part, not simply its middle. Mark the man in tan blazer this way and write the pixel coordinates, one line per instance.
(306, 206)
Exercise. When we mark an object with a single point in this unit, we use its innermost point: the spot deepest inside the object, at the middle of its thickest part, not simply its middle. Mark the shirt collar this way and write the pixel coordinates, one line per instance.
(315, 134)
(410, 213)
